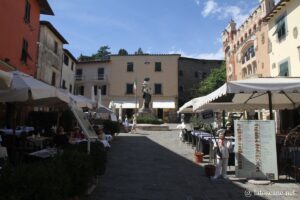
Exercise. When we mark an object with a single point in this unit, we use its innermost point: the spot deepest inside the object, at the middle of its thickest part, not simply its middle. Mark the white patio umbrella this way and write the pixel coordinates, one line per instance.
(24, 87)
(5, 79)
(276, 93)
(79, 100)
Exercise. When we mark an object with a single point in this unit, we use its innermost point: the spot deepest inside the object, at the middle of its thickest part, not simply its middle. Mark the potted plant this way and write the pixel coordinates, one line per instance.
(198, 156)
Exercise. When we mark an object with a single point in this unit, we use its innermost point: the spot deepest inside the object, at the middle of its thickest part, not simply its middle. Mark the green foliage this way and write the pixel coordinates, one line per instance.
(196, 122)
(148, 120)
(215, 80)
(44, 180)
(122, 52)
(111, 126)
(139, 52)
(102, 53)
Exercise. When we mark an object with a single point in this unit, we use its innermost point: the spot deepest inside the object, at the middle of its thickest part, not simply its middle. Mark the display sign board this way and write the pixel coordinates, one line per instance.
(207, 116)
(255, 149)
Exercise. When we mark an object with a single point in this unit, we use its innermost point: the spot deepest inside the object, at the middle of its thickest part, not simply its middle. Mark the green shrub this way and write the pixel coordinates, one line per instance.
(67, 175)
(35, 181)
(111, 126)
(148, 120)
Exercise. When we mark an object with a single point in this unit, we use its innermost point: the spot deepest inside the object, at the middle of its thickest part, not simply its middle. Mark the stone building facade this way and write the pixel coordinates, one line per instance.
(191, 71)
(50, 54)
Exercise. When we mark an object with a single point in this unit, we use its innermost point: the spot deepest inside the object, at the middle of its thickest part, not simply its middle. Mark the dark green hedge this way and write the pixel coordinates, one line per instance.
(148, 120)
(62, 177)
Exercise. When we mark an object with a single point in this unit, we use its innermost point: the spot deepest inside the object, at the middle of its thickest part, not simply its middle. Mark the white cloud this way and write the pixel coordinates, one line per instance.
(197, 2)
(224, 12)
(219, 55)
(210, 7)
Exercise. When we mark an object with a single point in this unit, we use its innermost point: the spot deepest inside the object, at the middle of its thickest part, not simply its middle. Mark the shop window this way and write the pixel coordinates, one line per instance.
(284, 69)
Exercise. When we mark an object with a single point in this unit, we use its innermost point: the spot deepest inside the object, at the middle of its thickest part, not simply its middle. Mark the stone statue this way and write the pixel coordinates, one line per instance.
(146, 93)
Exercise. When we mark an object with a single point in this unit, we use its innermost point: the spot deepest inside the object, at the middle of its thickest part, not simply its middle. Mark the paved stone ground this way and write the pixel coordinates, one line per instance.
(157, 166)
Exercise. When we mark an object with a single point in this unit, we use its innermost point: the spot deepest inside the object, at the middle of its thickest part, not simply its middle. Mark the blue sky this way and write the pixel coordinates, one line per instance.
(190, 27)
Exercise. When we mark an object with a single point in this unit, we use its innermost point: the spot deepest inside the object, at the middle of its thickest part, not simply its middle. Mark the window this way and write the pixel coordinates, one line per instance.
(204, 74)
(27, 12)
(53, 80)
(249, 53)
(24, 53)
(66, 60)
(196, 74)
(95, 90)
(55, 47)
(64, 84)
(100, 73)
(129, 88)
(103, 89)
(158, 66)
(284, 69)
(70, 88)
(280, 28)
(78, 76)
(129, 67)
(72, 66)
(81, 90)
(180, 73)
(157, 88)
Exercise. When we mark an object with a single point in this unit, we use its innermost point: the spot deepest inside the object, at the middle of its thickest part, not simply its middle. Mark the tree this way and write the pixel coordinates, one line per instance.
(102, 53)
(215, 80)
(139, 52)
(122, 52)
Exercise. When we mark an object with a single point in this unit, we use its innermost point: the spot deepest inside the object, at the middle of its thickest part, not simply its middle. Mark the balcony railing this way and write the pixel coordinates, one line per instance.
(98, 77)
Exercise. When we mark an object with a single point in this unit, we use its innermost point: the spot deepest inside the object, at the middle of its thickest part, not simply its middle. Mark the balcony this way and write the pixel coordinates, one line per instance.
(99, 77)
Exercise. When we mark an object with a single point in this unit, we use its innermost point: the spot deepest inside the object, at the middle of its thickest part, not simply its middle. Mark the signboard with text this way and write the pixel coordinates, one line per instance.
(255, 149)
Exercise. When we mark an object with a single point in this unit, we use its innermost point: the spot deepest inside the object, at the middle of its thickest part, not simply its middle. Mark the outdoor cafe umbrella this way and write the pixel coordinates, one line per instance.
(24, 87)
(5, 79)
(279, 93)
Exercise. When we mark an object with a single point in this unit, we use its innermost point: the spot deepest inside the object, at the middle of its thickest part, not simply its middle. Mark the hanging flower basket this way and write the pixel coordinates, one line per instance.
(198, 157)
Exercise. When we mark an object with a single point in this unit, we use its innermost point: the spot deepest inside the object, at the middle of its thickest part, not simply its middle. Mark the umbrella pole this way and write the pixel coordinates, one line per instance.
(223, 116)
(270, 105)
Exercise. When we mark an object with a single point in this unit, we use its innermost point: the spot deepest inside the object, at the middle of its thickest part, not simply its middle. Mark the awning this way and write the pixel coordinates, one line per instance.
(163, 104)
(259, 92)
(127, 104)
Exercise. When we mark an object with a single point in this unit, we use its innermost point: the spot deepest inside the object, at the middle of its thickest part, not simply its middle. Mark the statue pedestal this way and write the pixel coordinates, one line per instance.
(145, 112)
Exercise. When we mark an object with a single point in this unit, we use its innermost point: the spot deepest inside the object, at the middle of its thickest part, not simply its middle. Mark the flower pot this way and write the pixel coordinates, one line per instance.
(209, 170)
(198, 157)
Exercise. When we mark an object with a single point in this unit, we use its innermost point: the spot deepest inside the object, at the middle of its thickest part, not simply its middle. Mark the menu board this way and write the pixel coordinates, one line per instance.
(255, 149)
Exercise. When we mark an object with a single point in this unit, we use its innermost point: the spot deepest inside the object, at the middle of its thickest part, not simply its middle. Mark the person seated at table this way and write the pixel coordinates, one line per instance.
(60, 138)
(102, 137)
(76, 136)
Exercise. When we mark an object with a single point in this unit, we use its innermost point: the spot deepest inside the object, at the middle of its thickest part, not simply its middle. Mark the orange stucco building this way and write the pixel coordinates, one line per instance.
(19, 32)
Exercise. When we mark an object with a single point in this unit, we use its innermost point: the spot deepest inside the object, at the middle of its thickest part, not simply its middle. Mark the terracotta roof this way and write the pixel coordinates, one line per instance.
(45, 7)
(275, 10)
(51, 27)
